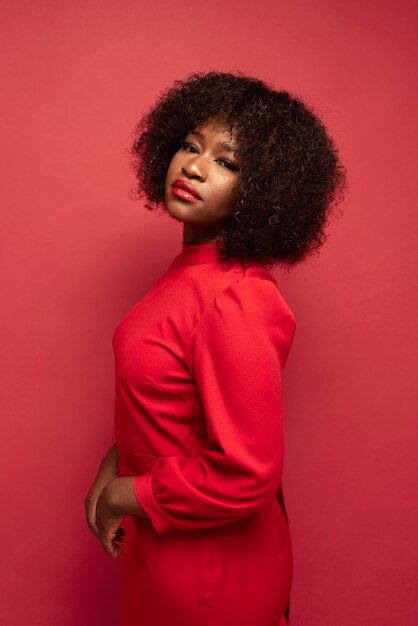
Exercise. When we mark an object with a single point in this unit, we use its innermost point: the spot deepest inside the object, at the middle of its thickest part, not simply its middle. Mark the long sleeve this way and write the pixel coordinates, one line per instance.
(237, 354)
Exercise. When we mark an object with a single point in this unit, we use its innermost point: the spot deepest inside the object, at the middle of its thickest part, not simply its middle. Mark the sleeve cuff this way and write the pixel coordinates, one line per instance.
(145, 497)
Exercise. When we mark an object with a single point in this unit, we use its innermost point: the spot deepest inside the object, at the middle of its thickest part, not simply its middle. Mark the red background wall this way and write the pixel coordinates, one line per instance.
(77, 253)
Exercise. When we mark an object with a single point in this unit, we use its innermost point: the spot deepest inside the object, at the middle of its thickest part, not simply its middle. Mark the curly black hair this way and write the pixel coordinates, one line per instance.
(289, 174)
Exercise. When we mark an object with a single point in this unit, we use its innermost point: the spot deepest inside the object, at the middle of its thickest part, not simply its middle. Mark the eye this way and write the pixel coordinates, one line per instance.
(185, 145)
(228, 164)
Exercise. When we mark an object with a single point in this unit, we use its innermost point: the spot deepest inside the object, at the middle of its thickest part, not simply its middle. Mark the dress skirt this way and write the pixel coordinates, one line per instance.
(236, 574)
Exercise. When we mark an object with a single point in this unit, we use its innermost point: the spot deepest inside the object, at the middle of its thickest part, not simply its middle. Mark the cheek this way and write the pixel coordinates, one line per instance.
(171, 167)
(175, 164)
(226, 190)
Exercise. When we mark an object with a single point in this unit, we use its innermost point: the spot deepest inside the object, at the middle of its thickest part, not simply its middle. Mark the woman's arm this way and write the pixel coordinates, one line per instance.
(108, 470)
(116, 500)
(119, 497)
(236, 356)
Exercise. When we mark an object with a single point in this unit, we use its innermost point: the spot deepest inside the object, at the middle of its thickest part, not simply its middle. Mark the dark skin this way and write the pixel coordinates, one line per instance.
(207, 160)
(109, 499)
(212, 169)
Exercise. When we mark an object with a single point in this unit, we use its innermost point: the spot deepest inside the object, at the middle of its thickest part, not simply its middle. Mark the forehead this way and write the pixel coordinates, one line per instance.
(216, 127)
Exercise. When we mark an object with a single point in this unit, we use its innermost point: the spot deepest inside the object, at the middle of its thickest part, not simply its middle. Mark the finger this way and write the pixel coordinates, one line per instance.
(91, 519)
(94, 528)
(110, 547)
(119, 542)
(92, 524)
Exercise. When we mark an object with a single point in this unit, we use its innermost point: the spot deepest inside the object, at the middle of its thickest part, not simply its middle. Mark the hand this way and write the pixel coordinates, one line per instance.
(90, 508)
(108, 523)
(108, 470)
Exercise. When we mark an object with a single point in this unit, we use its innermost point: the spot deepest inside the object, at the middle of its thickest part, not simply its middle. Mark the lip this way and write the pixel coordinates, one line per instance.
(181, 184)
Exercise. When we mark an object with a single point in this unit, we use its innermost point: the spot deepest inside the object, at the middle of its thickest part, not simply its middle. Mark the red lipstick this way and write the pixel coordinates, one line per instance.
(184, 190)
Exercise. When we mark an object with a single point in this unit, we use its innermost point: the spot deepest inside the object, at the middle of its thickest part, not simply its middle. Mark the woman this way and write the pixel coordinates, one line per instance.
(252, 174)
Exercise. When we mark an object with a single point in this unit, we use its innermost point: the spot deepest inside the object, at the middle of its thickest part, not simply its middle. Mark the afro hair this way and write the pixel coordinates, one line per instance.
(289, 174)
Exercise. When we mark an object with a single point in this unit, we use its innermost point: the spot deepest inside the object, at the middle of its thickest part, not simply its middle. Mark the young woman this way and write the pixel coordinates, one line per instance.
(252, 175)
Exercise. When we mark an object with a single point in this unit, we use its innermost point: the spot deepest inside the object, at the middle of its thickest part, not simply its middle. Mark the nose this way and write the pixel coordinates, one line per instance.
(194, 167)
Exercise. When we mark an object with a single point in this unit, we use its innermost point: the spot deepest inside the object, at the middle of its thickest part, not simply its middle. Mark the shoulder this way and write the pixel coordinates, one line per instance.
(256, 293)
(250, 300)
(246, 318)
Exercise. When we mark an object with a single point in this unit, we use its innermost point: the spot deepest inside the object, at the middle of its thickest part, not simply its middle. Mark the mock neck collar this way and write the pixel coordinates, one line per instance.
(195, 253)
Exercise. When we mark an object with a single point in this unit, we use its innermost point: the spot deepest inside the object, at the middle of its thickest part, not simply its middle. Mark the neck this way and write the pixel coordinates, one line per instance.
(193, 235)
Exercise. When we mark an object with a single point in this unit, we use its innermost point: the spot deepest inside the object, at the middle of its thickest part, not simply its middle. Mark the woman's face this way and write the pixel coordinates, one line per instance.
(207, 161)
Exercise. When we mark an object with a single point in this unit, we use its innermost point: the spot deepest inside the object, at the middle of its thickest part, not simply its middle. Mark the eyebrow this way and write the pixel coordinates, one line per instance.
(225, 145)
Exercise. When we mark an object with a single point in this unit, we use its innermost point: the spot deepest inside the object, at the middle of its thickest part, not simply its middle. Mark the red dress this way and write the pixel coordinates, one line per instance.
(199, 423)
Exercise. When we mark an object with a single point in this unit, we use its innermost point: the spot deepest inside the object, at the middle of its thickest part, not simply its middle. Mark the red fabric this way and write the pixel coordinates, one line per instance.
(199, 423)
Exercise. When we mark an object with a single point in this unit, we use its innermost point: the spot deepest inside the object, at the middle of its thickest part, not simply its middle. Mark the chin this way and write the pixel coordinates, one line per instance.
(177, 212)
